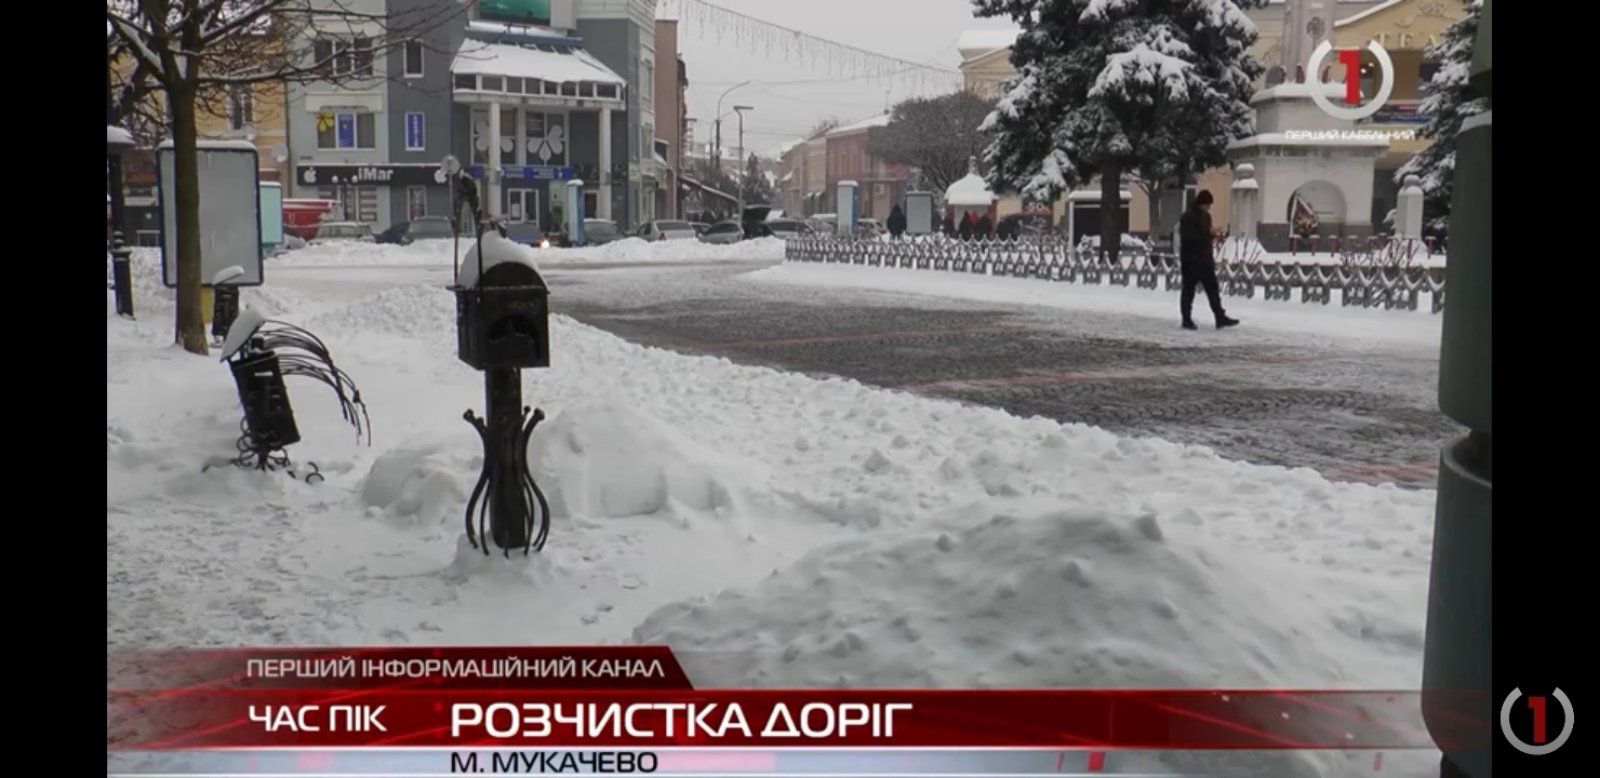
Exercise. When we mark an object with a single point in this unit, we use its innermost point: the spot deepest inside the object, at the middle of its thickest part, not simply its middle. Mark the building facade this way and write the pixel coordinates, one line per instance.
(671, 88)
(524, 94)
(849, 158)
(1403, 27)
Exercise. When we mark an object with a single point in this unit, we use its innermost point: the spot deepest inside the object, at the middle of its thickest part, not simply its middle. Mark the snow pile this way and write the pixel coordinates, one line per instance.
(360, 253)
(810, 532)
(605, 459)
(1091, 242)
(439, 253)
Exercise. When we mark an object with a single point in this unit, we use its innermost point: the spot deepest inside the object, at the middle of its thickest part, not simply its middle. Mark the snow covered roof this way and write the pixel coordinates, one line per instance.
(215, 145)
(116, 136)
(556, 64)
(882, 120)
(969, 191)
(1308, 139)
(973, 43)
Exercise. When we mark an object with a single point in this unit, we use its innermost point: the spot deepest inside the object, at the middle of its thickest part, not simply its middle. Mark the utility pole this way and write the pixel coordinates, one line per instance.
(743, 169)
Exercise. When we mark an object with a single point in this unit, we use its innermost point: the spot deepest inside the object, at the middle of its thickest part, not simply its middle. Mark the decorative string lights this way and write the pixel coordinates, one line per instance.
(762, 37)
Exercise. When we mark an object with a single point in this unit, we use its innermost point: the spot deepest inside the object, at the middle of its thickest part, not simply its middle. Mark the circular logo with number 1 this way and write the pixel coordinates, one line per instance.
(1541, 744)
(1351, 59)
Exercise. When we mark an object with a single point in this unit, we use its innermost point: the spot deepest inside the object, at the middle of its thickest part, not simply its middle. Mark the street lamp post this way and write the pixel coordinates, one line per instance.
(740, 109)
(118, 140)
(716, 146)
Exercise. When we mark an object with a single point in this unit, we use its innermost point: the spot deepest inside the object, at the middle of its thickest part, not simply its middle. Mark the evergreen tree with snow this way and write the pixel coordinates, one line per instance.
(1447, 100)
(1107, 88)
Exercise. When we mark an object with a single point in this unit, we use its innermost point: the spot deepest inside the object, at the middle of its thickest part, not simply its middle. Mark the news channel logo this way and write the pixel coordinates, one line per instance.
(1352, 110)
(1531, 734)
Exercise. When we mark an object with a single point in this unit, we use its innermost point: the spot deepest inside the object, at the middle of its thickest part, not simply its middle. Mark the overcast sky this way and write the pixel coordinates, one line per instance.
(922, 31)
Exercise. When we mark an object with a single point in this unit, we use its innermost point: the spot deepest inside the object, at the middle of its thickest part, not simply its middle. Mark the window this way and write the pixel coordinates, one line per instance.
(241, 108)
(416, 135)
(508, 136)
(466, 81)
(347, 131)
(355, 203)
(336, 58)
(416, 202)
(413, 57)
(647, 80)
(544, 138)
(361, 49)
(647, 141)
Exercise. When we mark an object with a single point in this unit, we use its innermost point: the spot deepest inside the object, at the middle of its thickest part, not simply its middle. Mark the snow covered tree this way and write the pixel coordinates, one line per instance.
(192, 50)
(1107, 88)
(1447, 100)
(937, 136)
(757, 189)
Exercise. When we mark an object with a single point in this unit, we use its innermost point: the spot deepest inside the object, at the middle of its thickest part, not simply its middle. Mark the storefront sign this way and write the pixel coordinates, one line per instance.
(527, 172)
(369, 175)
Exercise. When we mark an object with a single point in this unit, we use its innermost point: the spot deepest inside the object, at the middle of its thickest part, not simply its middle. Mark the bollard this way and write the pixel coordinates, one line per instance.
(122, 274)
(225, 301)
(502, 327)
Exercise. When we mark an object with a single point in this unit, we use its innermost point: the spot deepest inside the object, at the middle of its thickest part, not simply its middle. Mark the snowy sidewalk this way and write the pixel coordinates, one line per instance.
(799, 532)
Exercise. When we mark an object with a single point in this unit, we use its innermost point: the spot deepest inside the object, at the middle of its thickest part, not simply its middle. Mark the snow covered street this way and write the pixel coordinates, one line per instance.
(789, 527)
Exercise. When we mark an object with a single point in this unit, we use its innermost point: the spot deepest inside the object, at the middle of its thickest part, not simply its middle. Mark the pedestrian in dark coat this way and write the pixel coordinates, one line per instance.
(985, 228)
(1197, 262)
(968, 224)
(897, 222)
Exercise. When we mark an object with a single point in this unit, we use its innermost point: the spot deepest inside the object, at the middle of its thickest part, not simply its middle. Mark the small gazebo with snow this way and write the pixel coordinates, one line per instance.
(969, 195)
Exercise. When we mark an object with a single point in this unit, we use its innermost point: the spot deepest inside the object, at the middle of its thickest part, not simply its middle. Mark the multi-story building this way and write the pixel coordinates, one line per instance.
(524, 94)
(850, 159)
(1403, 27)
(671, 89)
(340, 141)
(253, 113)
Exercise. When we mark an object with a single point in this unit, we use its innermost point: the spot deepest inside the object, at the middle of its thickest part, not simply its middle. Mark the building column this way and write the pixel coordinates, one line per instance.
(605, 164)
(491, 171)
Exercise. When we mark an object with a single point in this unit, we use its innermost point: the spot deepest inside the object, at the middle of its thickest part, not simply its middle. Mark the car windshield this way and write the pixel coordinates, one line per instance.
(785, 226)
(430, 228)
(674, 227)
(599, 227)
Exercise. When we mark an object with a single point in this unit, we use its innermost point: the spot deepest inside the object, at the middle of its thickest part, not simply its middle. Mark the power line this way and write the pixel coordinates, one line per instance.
(807, 48)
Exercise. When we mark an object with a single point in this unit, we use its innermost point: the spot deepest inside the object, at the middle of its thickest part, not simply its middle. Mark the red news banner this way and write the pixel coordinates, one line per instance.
(639, 697)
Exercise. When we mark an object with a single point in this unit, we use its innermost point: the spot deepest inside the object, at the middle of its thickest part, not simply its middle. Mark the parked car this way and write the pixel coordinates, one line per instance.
(342, 232)
(666, 230)
(870, 228)
(723, 233)
(292, 240)
(789, 228)
(425, 228)
(599, 232)
(700, 228)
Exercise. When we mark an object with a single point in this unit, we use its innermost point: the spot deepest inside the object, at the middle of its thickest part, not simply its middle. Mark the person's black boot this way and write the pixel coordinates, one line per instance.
(1225, 321)
(1189, 325)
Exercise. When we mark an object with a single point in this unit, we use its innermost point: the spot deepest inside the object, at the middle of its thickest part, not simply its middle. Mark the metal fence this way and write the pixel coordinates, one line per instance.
(1384, 278)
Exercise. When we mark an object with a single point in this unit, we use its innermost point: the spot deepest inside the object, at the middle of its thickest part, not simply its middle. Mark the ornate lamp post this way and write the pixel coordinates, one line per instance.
(502, 326)
(119, 140)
